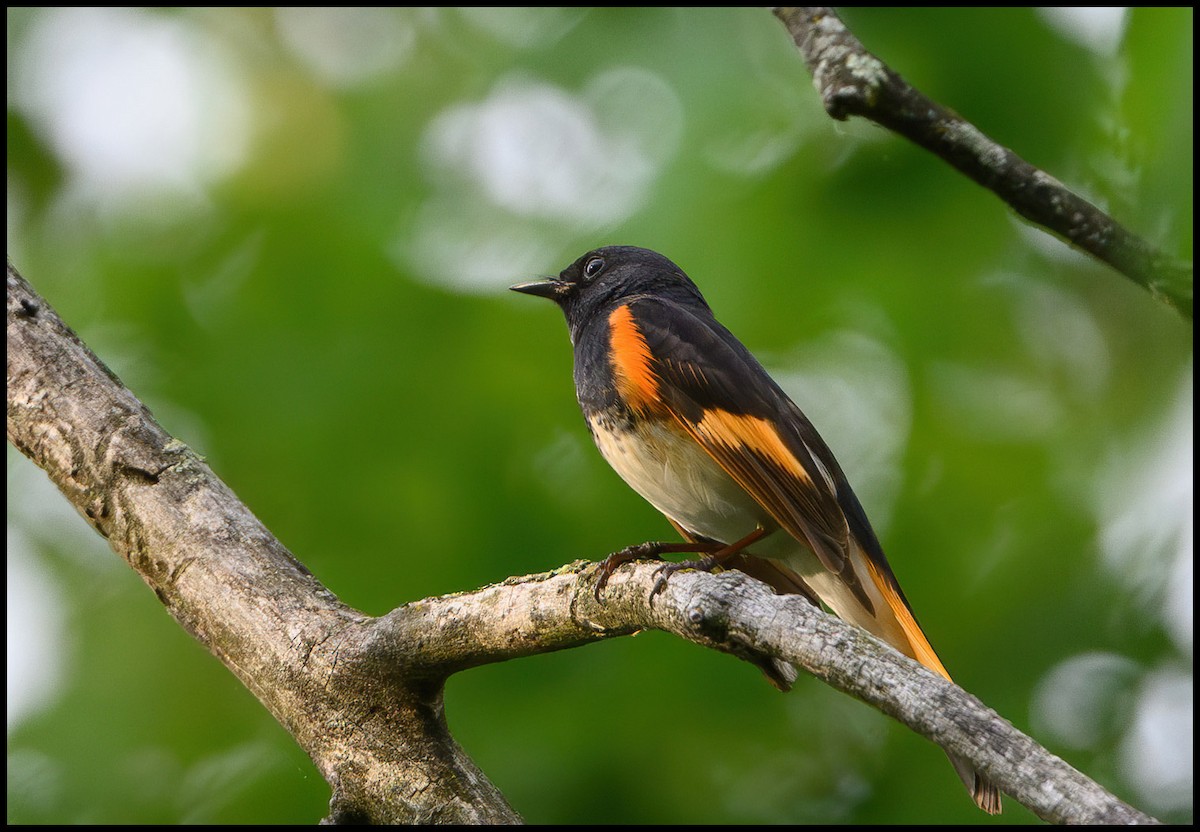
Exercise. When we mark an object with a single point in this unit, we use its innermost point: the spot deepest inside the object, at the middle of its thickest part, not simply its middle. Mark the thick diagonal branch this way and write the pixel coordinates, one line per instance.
(854, 82)
(363, 696)
(379, 738)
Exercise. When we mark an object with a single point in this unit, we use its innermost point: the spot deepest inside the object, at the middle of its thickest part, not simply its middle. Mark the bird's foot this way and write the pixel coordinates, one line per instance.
(651, 550)
(717, 555)
(663, 573)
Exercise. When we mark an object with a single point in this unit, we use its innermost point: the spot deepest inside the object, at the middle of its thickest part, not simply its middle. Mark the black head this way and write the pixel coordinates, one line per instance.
(606, 276)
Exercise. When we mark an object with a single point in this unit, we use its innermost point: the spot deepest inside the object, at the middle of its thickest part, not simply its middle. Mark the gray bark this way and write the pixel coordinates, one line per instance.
(853, 82)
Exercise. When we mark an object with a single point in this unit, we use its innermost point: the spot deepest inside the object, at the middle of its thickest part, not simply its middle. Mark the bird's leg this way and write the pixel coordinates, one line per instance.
(650, 550)
(705, 564)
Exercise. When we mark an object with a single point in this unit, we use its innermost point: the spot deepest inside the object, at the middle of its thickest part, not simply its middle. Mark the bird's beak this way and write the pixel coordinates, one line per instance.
(551, 288)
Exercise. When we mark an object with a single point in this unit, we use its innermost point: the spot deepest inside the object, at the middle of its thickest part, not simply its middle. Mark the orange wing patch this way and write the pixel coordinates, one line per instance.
(751, 450)
(740, 443)
(631, 362)
(753, 433)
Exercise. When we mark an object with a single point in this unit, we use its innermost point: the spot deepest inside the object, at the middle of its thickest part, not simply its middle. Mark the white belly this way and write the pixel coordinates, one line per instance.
(678, 478)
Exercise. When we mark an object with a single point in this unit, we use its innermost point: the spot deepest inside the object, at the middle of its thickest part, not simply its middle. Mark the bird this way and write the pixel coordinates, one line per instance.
(690, 420)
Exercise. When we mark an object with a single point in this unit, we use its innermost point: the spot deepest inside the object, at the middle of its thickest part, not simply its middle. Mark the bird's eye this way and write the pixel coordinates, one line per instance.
(593, 267)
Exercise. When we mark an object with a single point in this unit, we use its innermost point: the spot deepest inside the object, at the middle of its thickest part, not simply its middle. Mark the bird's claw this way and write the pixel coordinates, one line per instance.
(663, 573)
(640, 551)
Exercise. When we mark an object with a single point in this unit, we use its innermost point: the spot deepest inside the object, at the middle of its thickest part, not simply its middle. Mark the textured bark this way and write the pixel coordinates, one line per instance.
(375, 732)
(363, 696)
(853, 82)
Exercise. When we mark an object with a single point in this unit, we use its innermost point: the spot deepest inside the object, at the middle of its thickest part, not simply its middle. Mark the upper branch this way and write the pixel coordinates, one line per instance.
(853, 81)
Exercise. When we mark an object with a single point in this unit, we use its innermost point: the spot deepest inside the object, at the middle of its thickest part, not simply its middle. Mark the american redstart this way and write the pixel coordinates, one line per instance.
(692, 422)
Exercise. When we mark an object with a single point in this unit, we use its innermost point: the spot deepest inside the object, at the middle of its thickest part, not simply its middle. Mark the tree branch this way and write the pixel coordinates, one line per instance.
(363, 696)
(378, 738)
(854, 82)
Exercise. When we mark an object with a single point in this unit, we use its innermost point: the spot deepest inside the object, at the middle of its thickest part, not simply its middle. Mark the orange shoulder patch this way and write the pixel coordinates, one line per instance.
(632, 364)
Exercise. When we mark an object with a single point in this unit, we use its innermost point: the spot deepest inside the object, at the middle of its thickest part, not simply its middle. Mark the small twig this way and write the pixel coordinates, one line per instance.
(854, 82)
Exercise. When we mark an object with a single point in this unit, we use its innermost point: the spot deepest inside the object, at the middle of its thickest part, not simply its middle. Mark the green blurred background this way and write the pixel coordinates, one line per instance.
(291, 232)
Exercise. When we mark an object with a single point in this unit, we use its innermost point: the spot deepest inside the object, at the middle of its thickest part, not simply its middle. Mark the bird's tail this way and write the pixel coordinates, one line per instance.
(892, 620)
